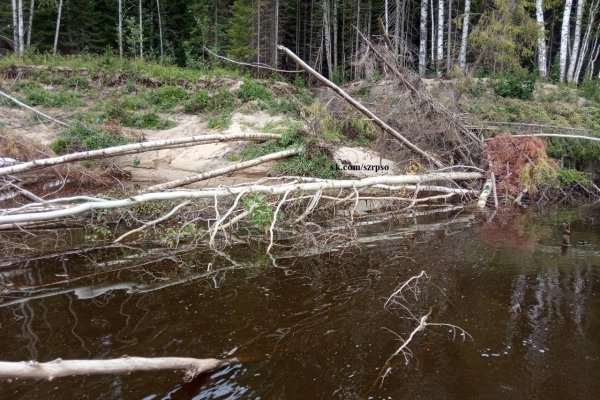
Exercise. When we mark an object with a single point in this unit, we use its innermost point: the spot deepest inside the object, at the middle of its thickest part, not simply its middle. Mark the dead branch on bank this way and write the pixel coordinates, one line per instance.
(125, 365)
(135, 148)
(356, 104)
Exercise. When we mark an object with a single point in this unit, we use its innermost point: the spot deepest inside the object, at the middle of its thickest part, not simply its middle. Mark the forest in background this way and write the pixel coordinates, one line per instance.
(554, 39)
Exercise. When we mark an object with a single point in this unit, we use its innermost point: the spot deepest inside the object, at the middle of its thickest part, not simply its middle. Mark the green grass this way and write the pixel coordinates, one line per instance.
(80, 137)
(167, 97)
(111, 64)
(220, 121)
(149, 120)
(33, 94)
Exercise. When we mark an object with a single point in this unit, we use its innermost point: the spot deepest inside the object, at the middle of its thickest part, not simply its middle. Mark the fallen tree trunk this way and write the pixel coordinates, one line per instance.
(133, 149)
(376, 120)
(60, 368)
(225, 170)
(237, 190)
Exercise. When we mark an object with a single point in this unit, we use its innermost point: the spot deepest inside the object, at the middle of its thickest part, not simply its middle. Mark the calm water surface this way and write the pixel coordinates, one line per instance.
(315, 327)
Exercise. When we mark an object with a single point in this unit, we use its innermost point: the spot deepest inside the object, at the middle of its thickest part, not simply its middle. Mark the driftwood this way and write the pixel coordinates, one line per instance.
(376, 120)
(60, 368)
(133, 149)
(41, 114)
(225, 170)
(314, 185)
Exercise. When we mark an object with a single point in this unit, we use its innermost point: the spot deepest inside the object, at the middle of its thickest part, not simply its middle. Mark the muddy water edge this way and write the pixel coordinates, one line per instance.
(314, 327)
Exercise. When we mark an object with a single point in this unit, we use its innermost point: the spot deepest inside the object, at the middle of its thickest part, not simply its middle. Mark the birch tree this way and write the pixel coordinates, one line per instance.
(160, 33)
(15, 27)
(539, 14)
(58, 16)
(576, 41)
(564, 39)
(423, 38)
(29, 26)
(327, 36)
(21, 32)
(462, 57)
(141, 30)
(440, 37)
(592, 11)
(120, 28)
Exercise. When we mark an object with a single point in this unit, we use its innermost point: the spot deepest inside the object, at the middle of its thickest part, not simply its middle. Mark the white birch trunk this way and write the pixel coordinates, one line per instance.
(423, 38)
(386, 15)
(593, 10)
(576, 41)
(225, 170)
(60, 5)
(21, 34)
(276, 34)
(160, 33)
(564, 39)
(594, 55)
(120, 29)
(30, 25)
(440, 38)
(237, 190)
(15, 27)
(539, 14)
(124, 365)
(335, 34)
(141, 30)
(397, 32)
(449, 39)
(462, 57)
(134, 148)
(327, 36)
(432, 33)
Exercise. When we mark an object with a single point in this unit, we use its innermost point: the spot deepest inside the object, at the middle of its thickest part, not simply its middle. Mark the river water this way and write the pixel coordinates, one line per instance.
(315, 327)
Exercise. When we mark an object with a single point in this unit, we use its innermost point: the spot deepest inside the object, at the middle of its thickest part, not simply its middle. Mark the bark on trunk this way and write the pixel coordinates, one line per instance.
(225, 170)
(236, 190)
(21, 34)
(141, 28)
(440, 38)
(539, 14)
(125, 365)
(120, 28)
(60, 5)
(564, 39)
(15, 27)
(134, 148)
(160, 32)
(327, 36)
(593, 10)
(30, 25)
(576, 41)
(423, 38)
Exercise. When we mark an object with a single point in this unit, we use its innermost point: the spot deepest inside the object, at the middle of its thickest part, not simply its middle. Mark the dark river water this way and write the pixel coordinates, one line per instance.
(315, 327)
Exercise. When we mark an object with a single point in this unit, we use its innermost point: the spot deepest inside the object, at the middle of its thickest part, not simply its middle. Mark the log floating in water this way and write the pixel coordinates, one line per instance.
(60, 368)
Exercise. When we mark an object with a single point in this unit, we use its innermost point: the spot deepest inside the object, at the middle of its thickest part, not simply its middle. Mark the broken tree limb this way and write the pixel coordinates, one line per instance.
(154, 222)
(135, 148)
(376, 120)
(20, 103)
(423, 94)
(485, 193)
(225, 170)
(235, 190)
(60, 368)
